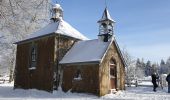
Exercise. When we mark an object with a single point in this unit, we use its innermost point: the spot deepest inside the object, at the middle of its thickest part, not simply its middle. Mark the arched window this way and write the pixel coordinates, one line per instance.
(113, 77)
(33, 56)
(112, 68)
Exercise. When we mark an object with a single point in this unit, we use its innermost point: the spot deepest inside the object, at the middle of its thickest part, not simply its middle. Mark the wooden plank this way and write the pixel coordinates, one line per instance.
(41, 77)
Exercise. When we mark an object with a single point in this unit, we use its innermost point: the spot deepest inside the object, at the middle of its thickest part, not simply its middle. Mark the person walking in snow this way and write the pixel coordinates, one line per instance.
(168, 80)
(154, 81)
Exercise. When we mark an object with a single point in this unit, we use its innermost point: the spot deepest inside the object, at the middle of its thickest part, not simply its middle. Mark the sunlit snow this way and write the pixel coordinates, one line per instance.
(131, 93)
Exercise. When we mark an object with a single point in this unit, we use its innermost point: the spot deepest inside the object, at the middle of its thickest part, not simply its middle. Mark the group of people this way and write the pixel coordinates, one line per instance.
(155, 77)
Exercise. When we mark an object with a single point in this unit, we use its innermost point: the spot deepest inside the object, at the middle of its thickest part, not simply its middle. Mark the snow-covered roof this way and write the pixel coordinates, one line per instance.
(106, 16)
(57, 6)
(86, 51)
(58, 27)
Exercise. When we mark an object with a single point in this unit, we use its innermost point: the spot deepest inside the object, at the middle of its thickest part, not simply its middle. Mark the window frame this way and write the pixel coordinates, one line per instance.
(33, 56)
(112, 66)
(78, 75)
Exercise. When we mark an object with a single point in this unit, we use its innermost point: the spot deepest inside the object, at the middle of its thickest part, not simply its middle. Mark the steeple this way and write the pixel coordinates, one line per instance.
(57, 12)
(106, 24)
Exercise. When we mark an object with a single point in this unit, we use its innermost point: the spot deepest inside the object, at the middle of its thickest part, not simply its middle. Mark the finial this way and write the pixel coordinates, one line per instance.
(57, 1)
(106, 3)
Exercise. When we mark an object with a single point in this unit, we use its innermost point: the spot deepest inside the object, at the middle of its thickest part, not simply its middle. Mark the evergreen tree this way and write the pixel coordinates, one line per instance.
(168, 62)
(162, 62)
(148, 68)
(163, 67)
(139, 68)
(168, 65)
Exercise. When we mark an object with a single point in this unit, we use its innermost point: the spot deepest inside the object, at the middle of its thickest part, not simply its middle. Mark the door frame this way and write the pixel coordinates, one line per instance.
(111, 62)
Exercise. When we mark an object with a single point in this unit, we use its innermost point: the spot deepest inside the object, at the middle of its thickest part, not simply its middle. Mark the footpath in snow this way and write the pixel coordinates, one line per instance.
(131, 93)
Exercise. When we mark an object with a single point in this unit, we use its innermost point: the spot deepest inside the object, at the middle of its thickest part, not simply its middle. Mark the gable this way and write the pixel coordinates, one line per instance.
(120, 53)
(116, 50)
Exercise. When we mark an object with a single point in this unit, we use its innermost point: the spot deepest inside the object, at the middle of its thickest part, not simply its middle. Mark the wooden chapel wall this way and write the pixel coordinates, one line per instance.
(42, 77)
(89, 82)
(104, 71)
(62, 46)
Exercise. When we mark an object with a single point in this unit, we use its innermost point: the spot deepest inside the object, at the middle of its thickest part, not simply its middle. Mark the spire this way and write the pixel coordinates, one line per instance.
(106, 24)
(106, 16)
(57, 12)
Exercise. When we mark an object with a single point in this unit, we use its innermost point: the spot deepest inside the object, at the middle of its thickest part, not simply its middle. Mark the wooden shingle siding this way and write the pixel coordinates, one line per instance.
(21, 68)
(62, 45)
(41, 77)
(89, 82)
(104, 71)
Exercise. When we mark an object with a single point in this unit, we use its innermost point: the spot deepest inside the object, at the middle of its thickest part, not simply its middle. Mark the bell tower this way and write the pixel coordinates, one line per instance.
(106, 24)
(57, 12)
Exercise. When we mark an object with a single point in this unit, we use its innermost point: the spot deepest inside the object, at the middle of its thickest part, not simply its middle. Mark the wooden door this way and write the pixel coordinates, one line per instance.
(113, 74)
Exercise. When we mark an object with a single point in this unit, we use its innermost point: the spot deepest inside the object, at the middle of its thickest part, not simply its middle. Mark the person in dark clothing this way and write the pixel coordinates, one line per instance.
(154, 81)
(168, 80)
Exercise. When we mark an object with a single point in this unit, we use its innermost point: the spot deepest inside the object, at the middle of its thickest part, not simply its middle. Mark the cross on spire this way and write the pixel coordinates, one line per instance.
(56, 1)
(106, 3)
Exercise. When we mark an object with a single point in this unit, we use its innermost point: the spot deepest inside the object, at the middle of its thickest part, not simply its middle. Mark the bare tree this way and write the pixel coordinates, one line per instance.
(130, 68)
(17, 19)
(140, 68)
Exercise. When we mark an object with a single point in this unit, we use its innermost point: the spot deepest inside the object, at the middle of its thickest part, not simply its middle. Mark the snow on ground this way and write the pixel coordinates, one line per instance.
(4, 77)
(141, 93)
(131, 93)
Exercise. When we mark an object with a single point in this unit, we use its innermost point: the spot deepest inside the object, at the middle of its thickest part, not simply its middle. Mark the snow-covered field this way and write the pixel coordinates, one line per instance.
(131, 93)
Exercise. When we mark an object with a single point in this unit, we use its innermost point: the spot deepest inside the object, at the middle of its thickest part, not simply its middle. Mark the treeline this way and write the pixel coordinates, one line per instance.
(140, 69)
(148, 68)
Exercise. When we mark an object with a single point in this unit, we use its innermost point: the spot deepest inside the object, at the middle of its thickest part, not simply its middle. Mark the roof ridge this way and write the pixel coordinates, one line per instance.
(88, 40)
(59, 27)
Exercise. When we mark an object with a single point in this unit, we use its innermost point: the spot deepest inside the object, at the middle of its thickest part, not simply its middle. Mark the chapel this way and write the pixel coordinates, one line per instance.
(59, 56)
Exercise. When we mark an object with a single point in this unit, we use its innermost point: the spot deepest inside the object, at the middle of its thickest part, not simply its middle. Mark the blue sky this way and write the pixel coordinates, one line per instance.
(142, 26)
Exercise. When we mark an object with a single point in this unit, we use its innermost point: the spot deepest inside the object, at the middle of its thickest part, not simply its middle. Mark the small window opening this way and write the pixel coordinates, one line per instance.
(78, 75)
(33, 57)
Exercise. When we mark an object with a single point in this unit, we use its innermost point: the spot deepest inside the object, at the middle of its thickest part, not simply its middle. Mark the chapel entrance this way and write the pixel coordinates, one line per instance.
(113, 77)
